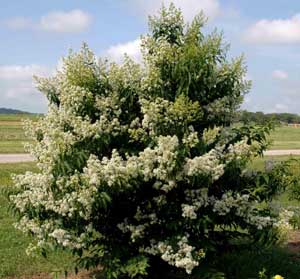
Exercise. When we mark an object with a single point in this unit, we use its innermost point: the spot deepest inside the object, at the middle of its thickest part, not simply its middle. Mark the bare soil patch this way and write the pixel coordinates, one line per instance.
(293, 242)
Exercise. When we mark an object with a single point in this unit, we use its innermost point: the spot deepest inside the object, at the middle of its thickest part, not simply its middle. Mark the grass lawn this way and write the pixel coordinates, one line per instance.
(285, 137)
(13, 260)
(260, 162)
(12, 135)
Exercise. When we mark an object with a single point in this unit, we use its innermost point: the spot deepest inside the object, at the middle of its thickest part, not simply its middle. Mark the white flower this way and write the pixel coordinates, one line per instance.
(181, 257)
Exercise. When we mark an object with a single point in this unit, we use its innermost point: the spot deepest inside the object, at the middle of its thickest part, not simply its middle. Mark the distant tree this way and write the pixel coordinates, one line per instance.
(262, 118)
(11, 111)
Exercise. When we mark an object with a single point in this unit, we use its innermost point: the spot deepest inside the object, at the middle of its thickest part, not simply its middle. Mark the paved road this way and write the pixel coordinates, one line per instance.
(282, 152)
(15, 158)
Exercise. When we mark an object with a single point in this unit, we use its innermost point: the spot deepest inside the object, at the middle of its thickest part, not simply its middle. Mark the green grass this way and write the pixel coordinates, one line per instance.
(247, 264)
(12, 146)
(12, 136)
(18, 117)
(13, 243)
(285, 137)
(260, 162)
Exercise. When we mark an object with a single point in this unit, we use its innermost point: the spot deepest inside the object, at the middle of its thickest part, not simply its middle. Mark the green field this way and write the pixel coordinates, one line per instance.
(13, 259)
(260, 162)
(12, 136)
(285, 137)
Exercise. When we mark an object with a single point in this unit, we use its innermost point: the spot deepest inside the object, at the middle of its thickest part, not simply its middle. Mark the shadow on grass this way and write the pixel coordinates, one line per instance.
(248, 263)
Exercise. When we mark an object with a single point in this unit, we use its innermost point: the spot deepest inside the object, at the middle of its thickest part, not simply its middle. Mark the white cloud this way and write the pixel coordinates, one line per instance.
(131, 48)
(279, 74)
(277, 31)
(17, 89)
(189, 8)
(20, 72)
(73, 21)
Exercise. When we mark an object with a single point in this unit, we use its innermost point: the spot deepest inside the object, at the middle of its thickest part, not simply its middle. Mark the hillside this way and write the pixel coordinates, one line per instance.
(12, 111)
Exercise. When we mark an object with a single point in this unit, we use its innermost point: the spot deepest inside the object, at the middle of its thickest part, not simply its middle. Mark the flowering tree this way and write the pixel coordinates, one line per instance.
(140, 170)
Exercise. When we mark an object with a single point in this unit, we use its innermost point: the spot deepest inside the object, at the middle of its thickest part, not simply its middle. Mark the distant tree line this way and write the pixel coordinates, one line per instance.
(12, 111)
(261, 118)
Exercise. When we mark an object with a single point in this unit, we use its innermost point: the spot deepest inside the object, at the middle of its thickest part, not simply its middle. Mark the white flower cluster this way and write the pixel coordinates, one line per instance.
(46, 229)
(160, 161)
(35, 195)
(224, 205)
(154, 114)
(161, 115)
(64, 203)
(137, 231)
(64, 238)
(208, 164)
(181, 256)
(196, 199)
(209, 135)
(228, 204)
(163, 53)
(113, 172)
(109, 105)
(284, 219)
(239, 150)
(242, 207)
(191, 139)
(73, 98)
(189, 211)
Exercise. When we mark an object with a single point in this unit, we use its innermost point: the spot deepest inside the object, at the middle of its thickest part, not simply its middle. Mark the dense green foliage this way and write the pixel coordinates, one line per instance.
(140, 169)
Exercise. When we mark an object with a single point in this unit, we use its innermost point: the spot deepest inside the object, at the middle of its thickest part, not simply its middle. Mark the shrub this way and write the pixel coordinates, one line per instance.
(140, 170)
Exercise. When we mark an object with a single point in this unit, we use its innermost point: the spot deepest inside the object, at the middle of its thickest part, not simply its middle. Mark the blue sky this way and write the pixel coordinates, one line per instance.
(36, 34)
